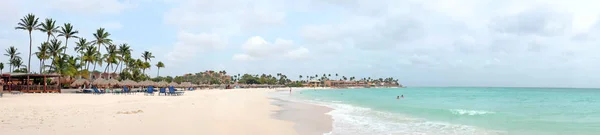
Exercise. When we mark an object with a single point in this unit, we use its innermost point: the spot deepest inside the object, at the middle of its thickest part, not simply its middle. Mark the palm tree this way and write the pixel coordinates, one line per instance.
(49, 27)
(146, 65)
(80, 47)
(89, 56)
(111, 56)
(12, 53)
(42, 54)
(147, 56)
(158, 66)
(1, 67)
(124, 50)
(28, 23)
(17, 63)
(101, 39)
(54, 50)
(67, 32)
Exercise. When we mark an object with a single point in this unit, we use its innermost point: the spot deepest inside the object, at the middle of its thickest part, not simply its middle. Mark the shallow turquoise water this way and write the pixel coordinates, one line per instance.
(514, 111)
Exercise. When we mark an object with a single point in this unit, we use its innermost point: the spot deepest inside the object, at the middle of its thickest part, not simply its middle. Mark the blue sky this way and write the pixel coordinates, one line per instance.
(531, 43)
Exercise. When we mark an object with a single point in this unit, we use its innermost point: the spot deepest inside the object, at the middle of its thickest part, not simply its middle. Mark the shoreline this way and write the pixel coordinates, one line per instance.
(308, 119)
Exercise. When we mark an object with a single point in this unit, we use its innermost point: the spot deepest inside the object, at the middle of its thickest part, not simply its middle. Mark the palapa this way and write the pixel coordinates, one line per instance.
(174, 84)
(99, 81)
(128, 83)
(185, 84)
(112, 82)
(147, 83)
(161, 84)
(79, 82)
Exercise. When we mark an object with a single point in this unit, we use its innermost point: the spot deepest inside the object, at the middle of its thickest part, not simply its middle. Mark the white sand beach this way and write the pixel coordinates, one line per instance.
(206, 112)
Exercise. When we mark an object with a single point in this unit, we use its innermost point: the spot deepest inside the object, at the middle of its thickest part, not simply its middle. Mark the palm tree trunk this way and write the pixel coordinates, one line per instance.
(93, 70)
(29, 62)
(41, 65)
(117, 68)
(158, 72)
(66, 46)
(121, 70)
(106, 68)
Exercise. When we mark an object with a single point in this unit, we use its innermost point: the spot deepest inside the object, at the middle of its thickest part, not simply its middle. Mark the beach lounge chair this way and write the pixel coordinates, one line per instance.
(173, 92)
(162, 91)
(150, 91)
(126, 90)
(96, 91)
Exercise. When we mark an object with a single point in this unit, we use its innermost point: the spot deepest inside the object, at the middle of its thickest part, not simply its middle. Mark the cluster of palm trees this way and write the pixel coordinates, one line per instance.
(325, 77)
(117, 57)
(15, 61)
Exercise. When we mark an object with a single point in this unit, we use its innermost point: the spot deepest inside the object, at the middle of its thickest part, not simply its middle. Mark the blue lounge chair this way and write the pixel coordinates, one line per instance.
(173, 92)
(96, 91)
(150, 91)
(162, 91)
(126, 90)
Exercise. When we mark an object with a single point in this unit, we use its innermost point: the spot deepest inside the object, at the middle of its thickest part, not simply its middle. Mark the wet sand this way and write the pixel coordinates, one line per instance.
(308, 119)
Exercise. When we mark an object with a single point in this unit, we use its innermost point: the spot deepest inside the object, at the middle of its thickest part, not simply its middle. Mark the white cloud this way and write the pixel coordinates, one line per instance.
(256, 48)
(89, 6)
(242, 57)
(500, 37)
(189, 44)
(300, 53)
(226, 17)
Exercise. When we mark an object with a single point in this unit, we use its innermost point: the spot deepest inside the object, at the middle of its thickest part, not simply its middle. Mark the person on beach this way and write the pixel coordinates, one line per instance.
(397, 97)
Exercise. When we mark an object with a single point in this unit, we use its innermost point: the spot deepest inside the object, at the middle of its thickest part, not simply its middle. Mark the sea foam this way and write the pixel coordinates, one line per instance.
(354, 120)
(470, 112)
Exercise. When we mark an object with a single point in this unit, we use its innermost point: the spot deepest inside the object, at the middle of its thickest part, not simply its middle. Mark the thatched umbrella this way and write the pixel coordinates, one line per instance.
(128, 83)
(161, 84)
(79, 82)
(174, 84)
(185, 84)
(112, 82)
(99, 81)
(147, 83)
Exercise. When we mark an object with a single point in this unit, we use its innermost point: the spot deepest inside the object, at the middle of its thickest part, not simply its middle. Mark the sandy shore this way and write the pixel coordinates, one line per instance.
(206, 112)
(308, 119)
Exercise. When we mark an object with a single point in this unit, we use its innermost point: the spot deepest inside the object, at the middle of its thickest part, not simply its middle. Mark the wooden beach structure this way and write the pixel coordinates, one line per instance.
(18, 82)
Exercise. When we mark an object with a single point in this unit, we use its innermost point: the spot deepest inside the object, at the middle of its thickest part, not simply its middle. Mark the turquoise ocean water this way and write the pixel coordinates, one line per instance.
(460, 111)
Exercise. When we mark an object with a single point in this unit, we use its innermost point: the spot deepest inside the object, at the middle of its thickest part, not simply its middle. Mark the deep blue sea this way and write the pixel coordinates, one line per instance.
(459, 111)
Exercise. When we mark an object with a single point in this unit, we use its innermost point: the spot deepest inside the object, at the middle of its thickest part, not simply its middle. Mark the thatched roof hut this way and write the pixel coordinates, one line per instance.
(128, 83)
(185, 84)
(99, 81)
(112, 82)
(174, 84)
(161, 84)
(80, 82)
(147, 83)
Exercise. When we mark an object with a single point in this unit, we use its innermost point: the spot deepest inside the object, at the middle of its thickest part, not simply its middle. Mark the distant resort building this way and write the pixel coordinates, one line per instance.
(96, 75)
